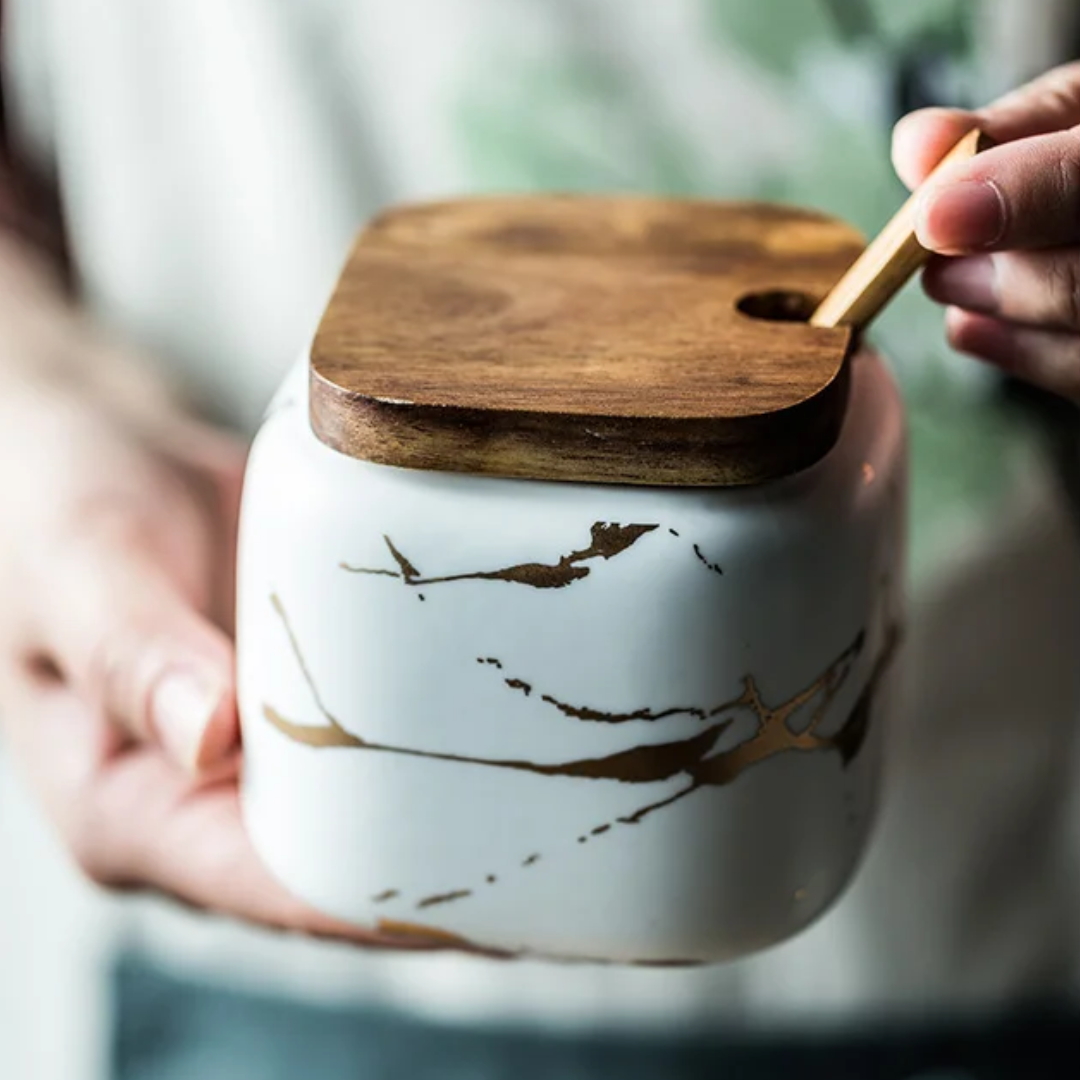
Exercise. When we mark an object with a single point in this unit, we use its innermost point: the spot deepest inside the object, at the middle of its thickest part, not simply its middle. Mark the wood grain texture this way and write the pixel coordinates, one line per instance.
(584, 339)
(891, 258)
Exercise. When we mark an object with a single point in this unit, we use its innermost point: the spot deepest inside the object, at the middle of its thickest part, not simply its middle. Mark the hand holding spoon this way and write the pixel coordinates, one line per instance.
(891, 258)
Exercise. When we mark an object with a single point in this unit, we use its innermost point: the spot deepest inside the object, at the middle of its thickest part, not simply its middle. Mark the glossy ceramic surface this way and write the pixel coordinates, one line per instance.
(602, 722)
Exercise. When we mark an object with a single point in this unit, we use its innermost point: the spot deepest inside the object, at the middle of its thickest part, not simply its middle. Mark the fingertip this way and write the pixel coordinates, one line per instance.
(981, 336)
(970, 283)
(193, 717)
(931, 282)
(225, 769)
(955, 321)
(957, 326)
(218, 751)
(922, 138)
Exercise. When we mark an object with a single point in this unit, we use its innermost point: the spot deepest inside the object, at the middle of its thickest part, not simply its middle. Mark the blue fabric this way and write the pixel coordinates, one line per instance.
(169, 1028)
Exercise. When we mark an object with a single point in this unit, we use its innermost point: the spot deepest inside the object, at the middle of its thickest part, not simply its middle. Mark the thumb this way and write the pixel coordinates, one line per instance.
(132, 642)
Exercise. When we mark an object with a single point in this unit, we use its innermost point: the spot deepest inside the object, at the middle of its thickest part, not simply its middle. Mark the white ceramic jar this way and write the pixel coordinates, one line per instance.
(630, 723)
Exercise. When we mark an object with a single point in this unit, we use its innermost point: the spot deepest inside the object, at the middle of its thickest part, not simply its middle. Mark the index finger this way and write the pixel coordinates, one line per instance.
(1047, 104)
(122, 631)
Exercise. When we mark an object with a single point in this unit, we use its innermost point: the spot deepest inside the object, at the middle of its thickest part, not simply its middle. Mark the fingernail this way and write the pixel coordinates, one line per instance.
(967, 283)
(183, 705)
(964, 216)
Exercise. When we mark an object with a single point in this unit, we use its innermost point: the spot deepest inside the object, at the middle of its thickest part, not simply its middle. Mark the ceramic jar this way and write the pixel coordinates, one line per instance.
(626, 719)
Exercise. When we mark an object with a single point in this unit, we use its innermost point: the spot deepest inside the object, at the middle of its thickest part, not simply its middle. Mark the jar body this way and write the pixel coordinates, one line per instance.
(600, 722)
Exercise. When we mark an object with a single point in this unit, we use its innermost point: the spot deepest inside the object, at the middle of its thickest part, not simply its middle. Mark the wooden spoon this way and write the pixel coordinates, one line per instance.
(891, 258)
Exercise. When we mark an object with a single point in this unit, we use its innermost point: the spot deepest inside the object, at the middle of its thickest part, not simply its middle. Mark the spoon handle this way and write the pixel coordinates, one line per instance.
(890, 259)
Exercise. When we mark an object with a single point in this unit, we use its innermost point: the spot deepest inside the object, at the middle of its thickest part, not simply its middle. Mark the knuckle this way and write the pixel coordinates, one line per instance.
(1054, 93)
(1057, 92)
(1060, 92)
(1064, 291)
(1056, 367)
(1068, 183)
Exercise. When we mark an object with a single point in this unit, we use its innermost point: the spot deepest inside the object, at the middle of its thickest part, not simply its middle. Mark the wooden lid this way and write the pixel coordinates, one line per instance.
(587, 339)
